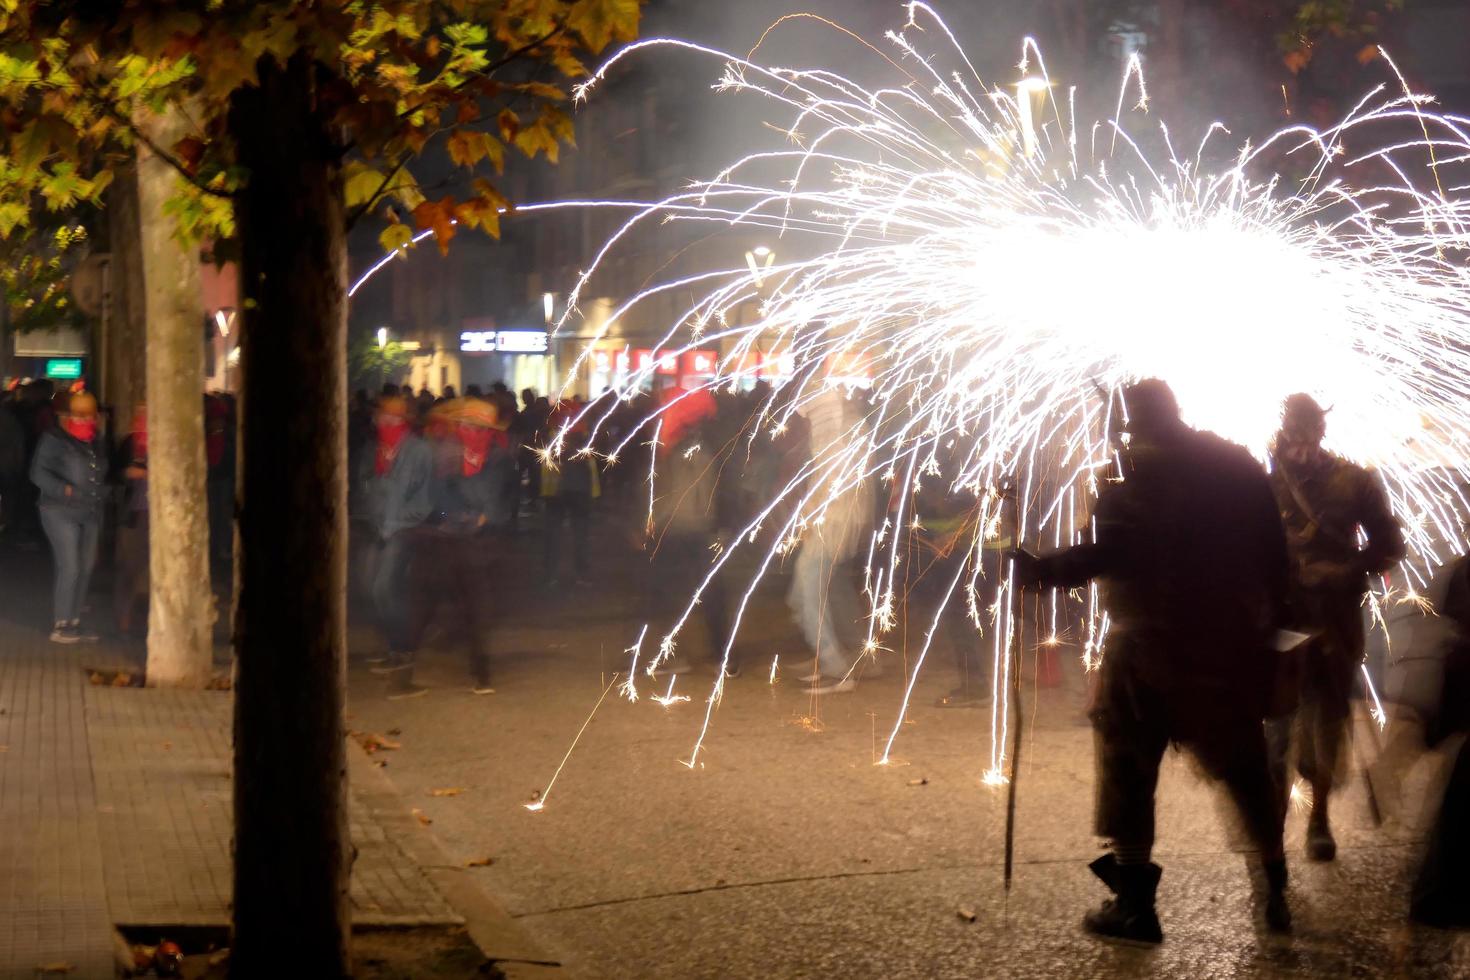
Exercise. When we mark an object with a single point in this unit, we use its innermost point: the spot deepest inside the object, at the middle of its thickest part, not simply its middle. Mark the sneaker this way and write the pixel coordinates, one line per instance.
(378, 658)
(409, 690)
(83, 636)
(390, 663)
(668, 668)
(63, 633)
(481, 688)
(843, 686)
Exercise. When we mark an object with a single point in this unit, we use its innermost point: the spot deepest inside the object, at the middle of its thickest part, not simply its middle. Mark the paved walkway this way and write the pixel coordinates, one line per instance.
(115, 810)
(53, 907)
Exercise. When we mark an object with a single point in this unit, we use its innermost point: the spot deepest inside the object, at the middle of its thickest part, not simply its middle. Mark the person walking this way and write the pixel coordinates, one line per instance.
(131, 575)
(465, 543)
(1191, 556)
(70, 474)
(396, 490)
(1326, 502)
(823, 596)
(568, 489)
(682, 528)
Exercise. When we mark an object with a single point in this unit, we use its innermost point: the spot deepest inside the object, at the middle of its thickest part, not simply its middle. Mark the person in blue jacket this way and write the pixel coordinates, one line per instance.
(71, 472)
(464, 541)
(396, 496)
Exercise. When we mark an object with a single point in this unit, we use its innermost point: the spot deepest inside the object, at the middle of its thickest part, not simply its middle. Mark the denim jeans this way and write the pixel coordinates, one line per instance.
(74, 550)
(390, 590)
(826, 603)
(575, 510)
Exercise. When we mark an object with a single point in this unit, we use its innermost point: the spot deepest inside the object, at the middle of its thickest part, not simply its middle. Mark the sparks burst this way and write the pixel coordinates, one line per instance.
(992, 270)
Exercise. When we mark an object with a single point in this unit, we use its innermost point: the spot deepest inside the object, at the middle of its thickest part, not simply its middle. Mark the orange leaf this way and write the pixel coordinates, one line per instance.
(439, 216)
(1367, 53)
(510, 124)
(483, 862)
(446, 791)
(422, 817)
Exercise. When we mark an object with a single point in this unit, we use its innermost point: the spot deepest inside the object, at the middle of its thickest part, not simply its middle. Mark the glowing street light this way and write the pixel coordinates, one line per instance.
(382, 337)
(548, 305)
(1026, 88)
(759, 259)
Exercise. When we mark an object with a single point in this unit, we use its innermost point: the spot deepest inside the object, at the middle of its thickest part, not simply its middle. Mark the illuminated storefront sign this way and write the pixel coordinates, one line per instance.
(503, 342)
(66, 368)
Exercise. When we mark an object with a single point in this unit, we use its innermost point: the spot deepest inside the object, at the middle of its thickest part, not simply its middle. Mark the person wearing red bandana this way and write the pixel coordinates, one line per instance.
(473, 492)
(70, 474)
(130, 581)
(396, 492)
(567, 490)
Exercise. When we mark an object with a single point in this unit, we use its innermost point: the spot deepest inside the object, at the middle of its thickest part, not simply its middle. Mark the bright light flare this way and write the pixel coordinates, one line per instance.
(999, 268)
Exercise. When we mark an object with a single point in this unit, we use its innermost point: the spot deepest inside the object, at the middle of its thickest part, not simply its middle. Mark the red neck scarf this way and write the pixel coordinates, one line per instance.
(477, 442)
(390, 437)
(83, 429)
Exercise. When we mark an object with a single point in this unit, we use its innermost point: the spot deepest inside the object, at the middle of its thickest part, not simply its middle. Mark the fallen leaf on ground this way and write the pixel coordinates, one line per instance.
(446, 791)
(919, 782)
(967, 914)
(483, 862)
(96, 678)
(423, 817)
(122, 680)
(372, 742)
(395, 732)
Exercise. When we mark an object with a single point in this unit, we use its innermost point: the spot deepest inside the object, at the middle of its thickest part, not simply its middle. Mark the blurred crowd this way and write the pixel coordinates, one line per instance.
(1234, 594)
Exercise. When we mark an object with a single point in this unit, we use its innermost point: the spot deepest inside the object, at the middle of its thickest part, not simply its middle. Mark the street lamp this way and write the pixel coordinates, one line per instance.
(759, 259)
(548, 305)
(1025, 89)
(382, 337)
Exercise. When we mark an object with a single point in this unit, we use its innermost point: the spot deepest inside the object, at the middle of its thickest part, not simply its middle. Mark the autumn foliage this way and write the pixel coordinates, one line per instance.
(396, 78)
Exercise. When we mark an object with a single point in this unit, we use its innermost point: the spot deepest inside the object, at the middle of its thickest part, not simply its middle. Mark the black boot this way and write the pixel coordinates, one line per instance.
(1278, 913)
(1320, 843)
(1130, 916)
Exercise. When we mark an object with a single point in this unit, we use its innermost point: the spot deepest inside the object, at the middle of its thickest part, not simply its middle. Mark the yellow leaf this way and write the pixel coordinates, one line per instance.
(446, 791)
(360, 183)
(468, 147)
(394, 237)
(536, 138)
(601, 21)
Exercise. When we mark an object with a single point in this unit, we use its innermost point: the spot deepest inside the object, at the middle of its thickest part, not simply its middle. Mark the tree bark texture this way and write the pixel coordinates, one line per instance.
(293, 856)
(127, 317)
(181, 603)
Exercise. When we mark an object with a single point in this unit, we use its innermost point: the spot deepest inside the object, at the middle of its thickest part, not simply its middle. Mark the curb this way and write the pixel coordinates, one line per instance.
(499, 937)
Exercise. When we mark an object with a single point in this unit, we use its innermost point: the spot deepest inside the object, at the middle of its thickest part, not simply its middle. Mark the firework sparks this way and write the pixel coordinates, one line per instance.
(989, 270)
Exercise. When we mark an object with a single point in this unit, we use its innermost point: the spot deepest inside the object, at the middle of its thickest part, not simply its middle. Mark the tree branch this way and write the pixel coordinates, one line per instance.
(107, 106)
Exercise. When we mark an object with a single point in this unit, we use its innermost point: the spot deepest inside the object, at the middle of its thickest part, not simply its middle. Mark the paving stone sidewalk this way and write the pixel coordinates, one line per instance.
(161, 761)
(115, 809)
(53, 908)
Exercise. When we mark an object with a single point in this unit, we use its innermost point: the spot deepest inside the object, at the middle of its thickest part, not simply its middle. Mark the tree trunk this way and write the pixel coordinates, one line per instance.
(127, 318)
(181, 603)
(293, 856)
